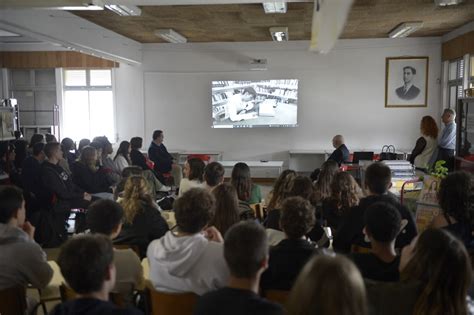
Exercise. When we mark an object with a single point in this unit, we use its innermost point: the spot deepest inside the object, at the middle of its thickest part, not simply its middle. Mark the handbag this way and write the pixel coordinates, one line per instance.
(388, 153)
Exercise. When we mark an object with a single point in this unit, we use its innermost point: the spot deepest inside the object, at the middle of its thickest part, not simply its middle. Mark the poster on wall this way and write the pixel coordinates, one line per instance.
(406, 81)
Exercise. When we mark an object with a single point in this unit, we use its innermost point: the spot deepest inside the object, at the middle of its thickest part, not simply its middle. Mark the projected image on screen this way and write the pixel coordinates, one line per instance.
(249, 104)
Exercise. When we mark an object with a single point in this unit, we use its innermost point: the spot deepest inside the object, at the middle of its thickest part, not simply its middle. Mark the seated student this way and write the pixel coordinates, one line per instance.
(455, 199)
(322, 186)
(87, 265)
(289, 256)
(440, 263)
(105, 217)
(382, 225)
(426, 144)
(106, 161)
(50, 138)
(36, 138)
(31, 171)
(138, 159)
(193, 171)
(226, 211)
(82, 144)
(126, 173)
(22, 261)
(345, 194)
(301, 187)
(246, 254)
(68, 147)
(164, 162)
(213, 174)
(378, 180)
(248, 192)
(7, 159)
(328, 285)
(143, 222)
(21, 153)
(122, 157)
(88, 176)
(190, 259)
(341, 153)
(281, 189)
(65, 195)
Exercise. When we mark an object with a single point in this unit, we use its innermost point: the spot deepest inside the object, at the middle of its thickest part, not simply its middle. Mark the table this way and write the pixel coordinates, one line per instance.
(258, 169)
(307, 160)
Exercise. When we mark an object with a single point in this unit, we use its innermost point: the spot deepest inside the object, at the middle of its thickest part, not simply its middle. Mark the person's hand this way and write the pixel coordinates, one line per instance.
(212, 234)
(87, 196)
(29, 229)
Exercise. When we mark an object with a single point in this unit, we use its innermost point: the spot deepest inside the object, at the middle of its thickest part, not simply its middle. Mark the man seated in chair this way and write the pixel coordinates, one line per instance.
(22, 261)
(87, 264)
(246, 254)
(164, 162)
(341, 153)
(189, 259)
(105, 217)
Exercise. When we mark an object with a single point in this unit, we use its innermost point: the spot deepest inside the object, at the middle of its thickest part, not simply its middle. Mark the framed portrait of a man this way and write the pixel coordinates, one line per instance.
(406, 81)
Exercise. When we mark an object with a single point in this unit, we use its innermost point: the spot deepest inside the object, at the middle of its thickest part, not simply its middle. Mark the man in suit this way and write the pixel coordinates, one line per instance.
(341, 154)
(408, 91)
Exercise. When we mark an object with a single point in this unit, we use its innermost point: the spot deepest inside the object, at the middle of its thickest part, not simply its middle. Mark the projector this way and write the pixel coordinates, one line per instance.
(445, 3)
(258, 64)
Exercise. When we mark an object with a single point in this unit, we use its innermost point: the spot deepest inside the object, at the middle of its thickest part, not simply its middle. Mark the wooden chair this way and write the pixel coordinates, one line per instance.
(259, 211)
(127, 246)
(68, 294)
(13, 301)
(359, 249)
(277, 296)
(161, 303)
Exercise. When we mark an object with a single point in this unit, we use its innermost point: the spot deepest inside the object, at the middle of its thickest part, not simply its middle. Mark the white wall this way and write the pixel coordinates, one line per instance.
(342, 92)
(129, 113)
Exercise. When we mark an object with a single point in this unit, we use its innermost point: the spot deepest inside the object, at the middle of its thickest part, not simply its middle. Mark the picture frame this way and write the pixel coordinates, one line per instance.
(406, 81)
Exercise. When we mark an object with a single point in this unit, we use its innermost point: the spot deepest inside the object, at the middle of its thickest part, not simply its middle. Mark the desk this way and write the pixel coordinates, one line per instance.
(307, 160)
(258, 169)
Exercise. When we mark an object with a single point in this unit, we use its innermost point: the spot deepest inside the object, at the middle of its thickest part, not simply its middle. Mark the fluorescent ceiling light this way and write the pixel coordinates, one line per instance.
(405, 29)
(279, 34)
(69, 5)
(171, 36)
(445, 3)
(4, 33)
(124, 10)
(274, 7)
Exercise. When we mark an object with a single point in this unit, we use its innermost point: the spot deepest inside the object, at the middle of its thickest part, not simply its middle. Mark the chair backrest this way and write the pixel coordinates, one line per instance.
(171, 303)
(359, 249)
(13, 301)
(259, 211)
(135, 248)
(277, 296)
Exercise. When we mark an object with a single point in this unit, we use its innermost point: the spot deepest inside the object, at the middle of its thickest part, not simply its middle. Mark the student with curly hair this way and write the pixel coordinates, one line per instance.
(345, 194)
(143, 222)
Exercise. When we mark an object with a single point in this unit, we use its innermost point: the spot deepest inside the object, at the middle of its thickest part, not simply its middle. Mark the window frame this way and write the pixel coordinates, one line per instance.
(91, 88)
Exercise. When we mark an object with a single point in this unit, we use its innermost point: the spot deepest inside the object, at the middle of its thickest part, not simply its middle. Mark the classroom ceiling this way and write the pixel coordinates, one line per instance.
(249, 23)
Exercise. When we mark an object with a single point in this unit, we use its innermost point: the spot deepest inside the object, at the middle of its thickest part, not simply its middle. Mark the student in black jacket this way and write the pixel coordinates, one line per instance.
(382, 225)
(289, 256)
(63, 193)
(164, 162)
(143, 222)
(378, 180)
(87, 264)
(35, 192)
(88, 176)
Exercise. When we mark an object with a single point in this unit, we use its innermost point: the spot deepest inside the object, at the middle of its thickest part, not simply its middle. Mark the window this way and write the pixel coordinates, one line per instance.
(88, 109)
(471, 79)
(455, 78)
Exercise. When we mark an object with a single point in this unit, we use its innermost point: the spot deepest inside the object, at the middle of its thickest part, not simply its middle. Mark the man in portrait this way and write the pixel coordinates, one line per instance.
(408, 91)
